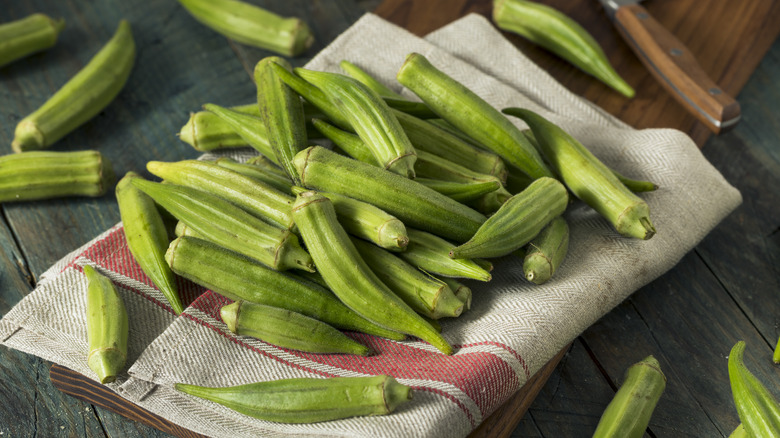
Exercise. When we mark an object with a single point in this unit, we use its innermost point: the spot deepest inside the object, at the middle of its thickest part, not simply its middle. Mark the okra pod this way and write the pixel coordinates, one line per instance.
(369, 81)
(28, 35)
(221, 222)
(107, 327)
(558, 33)
(147, 237)
(546, 251)
(48, 174)
(518, 221)
(206, 131)
(739, 432)
(287, 329)
(776, 353)
(454, 102)
(588, 178)
(370, 117)
(461, 192)
(268, 173)
(254, 196)
(427, 295)
(252, 25)
(348, 142)
(430, 253)
(516, 180)
(490, 203)
(82, 97)
(414, 204)
(758, 409)
(349, 277)
(460, 290)
(308, 400)
(250, 128)
(629, 412)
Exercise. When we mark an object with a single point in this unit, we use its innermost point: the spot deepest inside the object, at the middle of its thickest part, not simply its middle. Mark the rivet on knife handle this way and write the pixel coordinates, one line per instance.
(676, 69)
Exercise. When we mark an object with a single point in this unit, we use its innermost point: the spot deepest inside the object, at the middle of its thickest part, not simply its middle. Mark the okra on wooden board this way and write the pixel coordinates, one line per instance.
(107, 326)
(28, 35)
(308, 400)
(82, 97)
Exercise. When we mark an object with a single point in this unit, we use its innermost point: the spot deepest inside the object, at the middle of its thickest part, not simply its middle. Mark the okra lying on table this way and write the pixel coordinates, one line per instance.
(28, 35)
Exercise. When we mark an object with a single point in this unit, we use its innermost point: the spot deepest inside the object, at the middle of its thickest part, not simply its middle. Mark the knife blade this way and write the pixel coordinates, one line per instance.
(673, 65)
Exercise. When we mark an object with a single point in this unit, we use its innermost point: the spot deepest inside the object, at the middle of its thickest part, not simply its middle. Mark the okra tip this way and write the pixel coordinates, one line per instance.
(27, 137)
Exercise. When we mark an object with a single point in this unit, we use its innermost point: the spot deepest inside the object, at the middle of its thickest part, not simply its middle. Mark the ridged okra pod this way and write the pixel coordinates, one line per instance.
(367, 221)
(252, 195)
(348, 276)
(518, 221)
(558, 33)
(238, 277)
(369, 81)
(758, 409)
(252, 25)
(107, 327)
(287, 329)
(460, 290)
(454, 102)
(221, 222)
(308, 400)
(429, 252)
(82, 97)
(461, 192)
(249, 127)
(588, 178)
(546, 251)
(427, 295)
(147, 237)
(282, 114)
(269, 174)
(206, 131)
(629, 412)
(28, 35)
(414, 204)
(370, 117)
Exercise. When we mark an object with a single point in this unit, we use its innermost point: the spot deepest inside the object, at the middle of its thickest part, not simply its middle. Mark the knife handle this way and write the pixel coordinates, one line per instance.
(676, 69)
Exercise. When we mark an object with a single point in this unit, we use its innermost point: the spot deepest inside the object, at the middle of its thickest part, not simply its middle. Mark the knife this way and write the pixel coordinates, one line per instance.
(673, 65)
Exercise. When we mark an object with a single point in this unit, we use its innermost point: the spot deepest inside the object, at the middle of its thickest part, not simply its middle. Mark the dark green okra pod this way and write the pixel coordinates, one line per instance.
(758, 409)
(460, 290)
(268, 172)
(28, 35)
(107, 327)
(308, 400)
(546, 251)
(348, 276)
(82, 97)
(461, 192)
(147, 237)
(430, 253)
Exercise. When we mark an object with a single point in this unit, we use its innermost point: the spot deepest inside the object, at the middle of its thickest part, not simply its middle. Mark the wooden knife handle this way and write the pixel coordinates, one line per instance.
(676, 68)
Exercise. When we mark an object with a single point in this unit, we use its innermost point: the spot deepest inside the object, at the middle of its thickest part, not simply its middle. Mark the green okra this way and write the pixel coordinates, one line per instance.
(490, 203)
(588, 178)
(49, 174)
(367, 221)
(427, 295)
(776, 353)
(558, 33)
(518, 221)
(739, 432)
(629, 412)
(758, 409)
(348, 276)
(28, 35)
(206, 131)
(147, 237)
(308, 400)
(282, 114)
(254, 196)
(223, 223)
(454, 102)
(82, 97)
(349, 143)
(461, 291)
(516, 180)
(461, 192)
(414, 204)
(278, 180)
(370, 117)
(252, 25)
(312, 95)
(546, 251)
(287, 329)
(249, 127)
(430, 253)
(107, 327)
(369, 81)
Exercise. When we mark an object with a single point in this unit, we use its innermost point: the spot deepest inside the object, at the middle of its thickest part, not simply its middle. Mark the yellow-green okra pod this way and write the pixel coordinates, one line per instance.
(28, 35)
(308, 400)
(82, 97)
(348, 276)
(206, 131)
(252, 25)
(49, 174)
(287, 329)
(369, 81)
(518, 221)
(588, 178)
(758, 409)
(269, 174)
(414, 204)
(430, 253)
(454, 102)
(250, 128)
(147, 237)
(461, 192)
(460, 290)
(223, 223)
(107, 327)
(252, 195)
(558, 33)
(546, 251)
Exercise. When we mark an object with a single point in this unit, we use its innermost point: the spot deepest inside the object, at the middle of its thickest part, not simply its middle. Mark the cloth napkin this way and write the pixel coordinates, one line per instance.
(513, 328)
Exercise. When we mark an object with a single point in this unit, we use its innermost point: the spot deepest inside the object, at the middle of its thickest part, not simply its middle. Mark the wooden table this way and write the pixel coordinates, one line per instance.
(723, 291)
